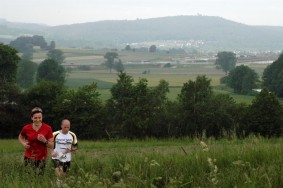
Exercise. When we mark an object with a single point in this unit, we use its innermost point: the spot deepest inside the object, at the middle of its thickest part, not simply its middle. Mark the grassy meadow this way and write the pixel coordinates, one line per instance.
(252, 162)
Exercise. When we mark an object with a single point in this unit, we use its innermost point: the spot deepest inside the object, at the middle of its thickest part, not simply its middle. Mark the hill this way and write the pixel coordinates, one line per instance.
(201, 32)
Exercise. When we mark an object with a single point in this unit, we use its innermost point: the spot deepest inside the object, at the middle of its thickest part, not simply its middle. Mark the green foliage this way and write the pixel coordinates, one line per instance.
(84, 108)
(161, 119)
(122, 104)
(242, 79)
(201, 112)
(23, 43)
(28, 52)
(273, 76)
(8, 63)
(50, 70)
(226, 61)
(11, 109)
(52, 45)
(195, 91)
(137, 109)
(44, 95)
(265, 115)
(56, 55)
(26, 73)
(111, 60)
(193, 99)
(118, 66)
(219, 116)
(135, 106)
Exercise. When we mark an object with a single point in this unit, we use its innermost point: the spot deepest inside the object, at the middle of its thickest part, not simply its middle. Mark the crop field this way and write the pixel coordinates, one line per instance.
(252, 162)
(138, 63)
(176, 77)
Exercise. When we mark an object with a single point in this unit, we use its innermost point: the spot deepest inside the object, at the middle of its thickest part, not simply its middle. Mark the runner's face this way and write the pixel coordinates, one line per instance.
(65, 126)
(37, 118)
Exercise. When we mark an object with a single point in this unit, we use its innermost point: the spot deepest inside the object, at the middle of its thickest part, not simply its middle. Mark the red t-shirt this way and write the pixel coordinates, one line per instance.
(37, 149)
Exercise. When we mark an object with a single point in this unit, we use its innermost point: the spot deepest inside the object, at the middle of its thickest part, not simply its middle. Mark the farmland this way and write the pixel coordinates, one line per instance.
(84, 67)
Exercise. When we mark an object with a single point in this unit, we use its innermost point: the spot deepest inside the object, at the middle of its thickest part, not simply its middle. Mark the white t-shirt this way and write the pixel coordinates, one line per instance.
(63, 142)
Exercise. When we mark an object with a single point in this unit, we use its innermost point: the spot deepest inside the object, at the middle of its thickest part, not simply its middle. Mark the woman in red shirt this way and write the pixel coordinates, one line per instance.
(36, 137)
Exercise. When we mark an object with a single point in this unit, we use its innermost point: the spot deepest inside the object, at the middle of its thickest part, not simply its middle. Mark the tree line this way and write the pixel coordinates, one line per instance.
(134, 109)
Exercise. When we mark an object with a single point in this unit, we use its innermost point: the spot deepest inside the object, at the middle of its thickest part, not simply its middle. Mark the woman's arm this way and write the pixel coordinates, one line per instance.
(23, 141)
(47, 142)
(50, 143)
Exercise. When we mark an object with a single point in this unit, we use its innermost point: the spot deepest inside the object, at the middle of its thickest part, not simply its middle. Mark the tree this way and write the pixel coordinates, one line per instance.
(159, 124)
(119, 104)
(39, 41)
(219, 116)
(118, 66)
(273, 76)
(50, 70)
(8, 63)
(152, 48)
(194, 92)
(10, 104)
(193, 99)
(265, 115)
(56, 55)
(52, 45)
(84, 108)
(28, 53)
(128, 47)
(134, 108)
(242, 79)
(43, 94)
(9, 92)
(23, 42)
(226, 61)
(26, 73)
(112, 61)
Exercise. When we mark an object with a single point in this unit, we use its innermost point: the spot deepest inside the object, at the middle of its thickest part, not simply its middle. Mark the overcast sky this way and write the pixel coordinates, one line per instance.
(59, 12)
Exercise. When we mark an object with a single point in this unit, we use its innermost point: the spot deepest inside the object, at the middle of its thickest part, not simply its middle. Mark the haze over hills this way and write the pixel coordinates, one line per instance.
(201, 32)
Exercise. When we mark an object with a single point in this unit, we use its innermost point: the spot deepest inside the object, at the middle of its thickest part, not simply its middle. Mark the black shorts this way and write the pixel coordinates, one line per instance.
(36, 164)
(65, 165)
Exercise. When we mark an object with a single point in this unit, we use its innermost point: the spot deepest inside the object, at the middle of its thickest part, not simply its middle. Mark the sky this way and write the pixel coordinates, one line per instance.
(60, 12)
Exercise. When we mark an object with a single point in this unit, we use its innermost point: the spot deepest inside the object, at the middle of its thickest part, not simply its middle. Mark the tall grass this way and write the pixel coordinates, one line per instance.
(252, 162)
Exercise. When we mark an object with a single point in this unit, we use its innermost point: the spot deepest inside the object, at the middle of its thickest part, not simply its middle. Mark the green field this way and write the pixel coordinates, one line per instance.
(176, 77)
(179, 73)
(253, 162)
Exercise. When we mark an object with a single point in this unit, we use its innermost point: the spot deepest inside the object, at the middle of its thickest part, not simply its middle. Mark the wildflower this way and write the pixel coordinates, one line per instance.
(145, 160)
(210, 162)
(116, 176)
(215, 169)
(154, 163)
(204, 146)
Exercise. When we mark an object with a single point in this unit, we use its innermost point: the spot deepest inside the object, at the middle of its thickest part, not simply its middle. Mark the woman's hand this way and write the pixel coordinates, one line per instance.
(26, 145)
(41, 138)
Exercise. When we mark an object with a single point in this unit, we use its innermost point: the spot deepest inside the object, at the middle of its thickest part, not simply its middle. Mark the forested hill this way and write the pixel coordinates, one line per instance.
(211, 32)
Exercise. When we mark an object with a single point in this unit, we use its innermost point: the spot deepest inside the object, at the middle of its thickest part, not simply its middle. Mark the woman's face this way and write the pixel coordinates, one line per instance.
(37, 118)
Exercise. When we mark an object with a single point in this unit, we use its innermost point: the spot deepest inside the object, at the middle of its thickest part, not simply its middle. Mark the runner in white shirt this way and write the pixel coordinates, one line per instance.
(65, 142)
